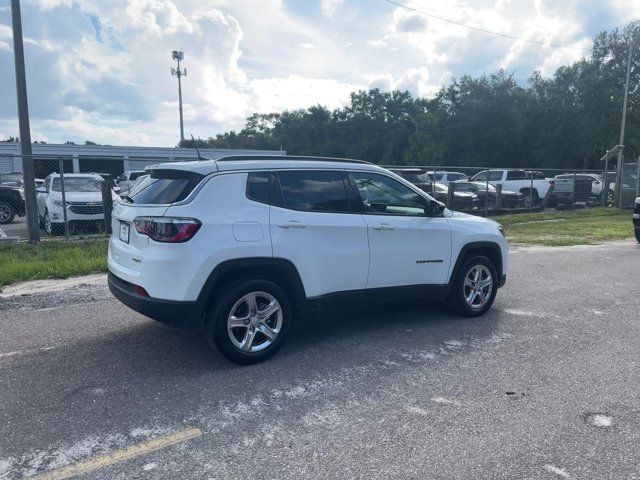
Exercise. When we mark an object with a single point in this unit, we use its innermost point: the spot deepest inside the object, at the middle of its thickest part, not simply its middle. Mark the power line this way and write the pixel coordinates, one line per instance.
(479, 29)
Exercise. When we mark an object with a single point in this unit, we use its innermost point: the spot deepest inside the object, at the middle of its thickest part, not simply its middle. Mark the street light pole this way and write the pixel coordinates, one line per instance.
(618, 189)
(179, 55)
(23, 121)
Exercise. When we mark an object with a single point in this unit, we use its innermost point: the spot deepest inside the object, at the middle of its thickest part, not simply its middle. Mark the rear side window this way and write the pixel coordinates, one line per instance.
(165, 186)
(314, 191)
(516, 175)
(258, 187)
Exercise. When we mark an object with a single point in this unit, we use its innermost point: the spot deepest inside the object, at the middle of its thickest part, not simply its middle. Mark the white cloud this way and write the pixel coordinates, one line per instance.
(328, 7)
(100, 70)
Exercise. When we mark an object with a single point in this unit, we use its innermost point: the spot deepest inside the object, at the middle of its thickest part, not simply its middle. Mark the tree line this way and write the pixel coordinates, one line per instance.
(567, 120)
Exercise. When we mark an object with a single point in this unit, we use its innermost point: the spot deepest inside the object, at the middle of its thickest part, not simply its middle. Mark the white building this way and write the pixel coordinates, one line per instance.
(106, 159)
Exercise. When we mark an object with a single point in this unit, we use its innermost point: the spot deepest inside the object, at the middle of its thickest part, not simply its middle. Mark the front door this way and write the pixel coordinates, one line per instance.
(408, 246)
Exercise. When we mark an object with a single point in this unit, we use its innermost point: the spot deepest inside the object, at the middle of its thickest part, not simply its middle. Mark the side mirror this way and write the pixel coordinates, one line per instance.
(41, 190)
(435, 208)
(117, 190)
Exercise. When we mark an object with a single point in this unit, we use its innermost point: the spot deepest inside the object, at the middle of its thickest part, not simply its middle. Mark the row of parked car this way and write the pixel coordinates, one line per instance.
(520, 188)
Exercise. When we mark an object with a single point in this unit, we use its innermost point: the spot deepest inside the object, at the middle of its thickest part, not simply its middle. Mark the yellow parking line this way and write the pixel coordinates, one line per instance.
(120, 455)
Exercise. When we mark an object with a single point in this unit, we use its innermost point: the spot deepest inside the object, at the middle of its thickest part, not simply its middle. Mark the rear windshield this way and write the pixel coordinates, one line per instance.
(164, 186)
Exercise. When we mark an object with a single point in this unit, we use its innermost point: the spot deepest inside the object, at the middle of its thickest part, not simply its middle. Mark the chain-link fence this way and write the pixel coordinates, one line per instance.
(74, 195)
(492, 191)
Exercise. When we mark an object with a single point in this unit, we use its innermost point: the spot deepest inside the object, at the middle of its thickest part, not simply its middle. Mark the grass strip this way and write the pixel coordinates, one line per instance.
(51, 259)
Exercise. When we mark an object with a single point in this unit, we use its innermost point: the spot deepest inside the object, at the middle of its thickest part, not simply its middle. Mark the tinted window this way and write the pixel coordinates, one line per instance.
(135, 175)
(516, 175)
(165, 186)
(314, 191)
(481, 176)
(258, 187)
(384, 195)
(495, 175)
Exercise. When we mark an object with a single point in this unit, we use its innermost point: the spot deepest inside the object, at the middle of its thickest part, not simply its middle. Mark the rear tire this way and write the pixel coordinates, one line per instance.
(7, 213)
(238, 329)
(475, 286)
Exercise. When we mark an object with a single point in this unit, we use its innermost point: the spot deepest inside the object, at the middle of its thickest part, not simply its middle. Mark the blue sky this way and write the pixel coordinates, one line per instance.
(100, 70)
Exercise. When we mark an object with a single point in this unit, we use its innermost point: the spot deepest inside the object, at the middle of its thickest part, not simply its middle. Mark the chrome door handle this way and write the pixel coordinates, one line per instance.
(292, 224)
(383, 226)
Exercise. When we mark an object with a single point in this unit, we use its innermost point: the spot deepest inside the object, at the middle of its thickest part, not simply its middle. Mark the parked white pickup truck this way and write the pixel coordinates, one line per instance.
(516, 180)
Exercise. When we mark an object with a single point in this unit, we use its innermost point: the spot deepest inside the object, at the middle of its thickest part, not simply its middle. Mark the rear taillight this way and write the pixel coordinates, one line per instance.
(167, 229)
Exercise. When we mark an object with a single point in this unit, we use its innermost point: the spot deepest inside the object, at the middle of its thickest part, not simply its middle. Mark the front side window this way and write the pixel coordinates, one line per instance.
(482, 176)
(384, 195)
(495, 175)
(314, 191)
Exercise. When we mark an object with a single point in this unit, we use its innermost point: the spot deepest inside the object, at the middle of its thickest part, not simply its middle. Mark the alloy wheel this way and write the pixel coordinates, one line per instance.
(478, 286)
(5, 213)
(254, 321)
(47, 223)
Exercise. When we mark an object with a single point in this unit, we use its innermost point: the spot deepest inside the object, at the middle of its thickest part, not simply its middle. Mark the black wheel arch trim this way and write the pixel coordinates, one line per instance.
(478, 246)
(277, 268)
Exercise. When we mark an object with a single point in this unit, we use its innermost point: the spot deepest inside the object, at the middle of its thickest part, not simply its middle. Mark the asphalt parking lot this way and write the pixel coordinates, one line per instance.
(546, 385)
(17, 228)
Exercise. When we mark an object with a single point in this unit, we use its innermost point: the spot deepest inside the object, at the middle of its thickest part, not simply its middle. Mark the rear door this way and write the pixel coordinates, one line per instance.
(407, 246)
(313, 225)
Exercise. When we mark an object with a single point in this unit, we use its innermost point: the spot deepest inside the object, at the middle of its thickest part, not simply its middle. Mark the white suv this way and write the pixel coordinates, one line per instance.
(83, 196)
(242, 245)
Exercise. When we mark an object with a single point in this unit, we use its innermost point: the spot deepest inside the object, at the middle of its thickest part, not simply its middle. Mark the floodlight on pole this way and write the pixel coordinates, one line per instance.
(177, 72)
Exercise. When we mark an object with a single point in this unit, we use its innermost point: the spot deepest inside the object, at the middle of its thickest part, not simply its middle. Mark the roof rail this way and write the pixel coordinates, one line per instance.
(235, 158)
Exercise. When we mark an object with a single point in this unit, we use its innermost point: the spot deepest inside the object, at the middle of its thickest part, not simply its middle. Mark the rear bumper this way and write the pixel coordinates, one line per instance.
(170, 312)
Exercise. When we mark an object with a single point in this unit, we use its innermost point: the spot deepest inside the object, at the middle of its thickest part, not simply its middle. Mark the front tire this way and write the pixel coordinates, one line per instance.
(475, 286)
(7, 213)
(637, 230)
(50, 227)
(249, 321)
